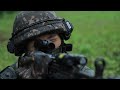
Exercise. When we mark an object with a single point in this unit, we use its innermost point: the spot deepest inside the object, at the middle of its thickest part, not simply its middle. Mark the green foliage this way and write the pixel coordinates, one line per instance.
(6, 24)
(5, 58)
(96, 33)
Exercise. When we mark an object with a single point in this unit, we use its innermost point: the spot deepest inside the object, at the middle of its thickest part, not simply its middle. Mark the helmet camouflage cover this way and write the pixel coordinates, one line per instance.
(28, 24)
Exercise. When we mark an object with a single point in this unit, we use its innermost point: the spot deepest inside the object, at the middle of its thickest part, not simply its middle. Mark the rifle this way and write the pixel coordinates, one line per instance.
(66, 66)
(60, 63)
(66, 62)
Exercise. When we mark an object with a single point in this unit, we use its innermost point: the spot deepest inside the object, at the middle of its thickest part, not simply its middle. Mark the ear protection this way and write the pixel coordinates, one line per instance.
(10, 46)
(12, 49)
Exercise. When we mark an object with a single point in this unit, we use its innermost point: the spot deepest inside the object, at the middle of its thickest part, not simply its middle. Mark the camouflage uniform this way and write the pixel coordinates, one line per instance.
(30, 24)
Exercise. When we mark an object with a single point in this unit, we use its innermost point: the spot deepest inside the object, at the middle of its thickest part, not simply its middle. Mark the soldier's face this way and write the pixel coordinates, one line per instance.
(52, 37)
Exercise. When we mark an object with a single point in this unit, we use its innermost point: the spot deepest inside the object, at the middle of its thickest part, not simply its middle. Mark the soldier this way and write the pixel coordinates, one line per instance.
(30, 26)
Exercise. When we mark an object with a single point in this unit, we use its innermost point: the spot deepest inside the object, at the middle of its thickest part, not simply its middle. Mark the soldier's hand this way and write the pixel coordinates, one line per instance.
(33, 66)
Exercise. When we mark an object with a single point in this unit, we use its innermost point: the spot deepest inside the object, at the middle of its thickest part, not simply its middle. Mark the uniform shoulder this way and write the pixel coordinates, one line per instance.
(9, 72)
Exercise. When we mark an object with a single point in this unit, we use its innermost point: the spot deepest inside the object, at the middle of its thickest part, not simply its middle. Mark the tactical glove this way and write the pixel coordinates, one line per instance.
(33, 65)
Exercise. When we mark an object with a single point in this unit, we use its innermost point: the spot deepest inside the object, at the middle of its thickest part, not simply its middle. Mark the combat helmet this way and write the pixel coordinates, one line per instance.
(29, 24)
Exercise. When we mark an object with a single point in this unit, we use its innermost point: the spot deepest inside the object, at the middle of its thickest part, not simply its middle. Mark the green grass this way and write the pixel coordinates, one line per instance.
(6, 59)
(96, 33)
(6, 25)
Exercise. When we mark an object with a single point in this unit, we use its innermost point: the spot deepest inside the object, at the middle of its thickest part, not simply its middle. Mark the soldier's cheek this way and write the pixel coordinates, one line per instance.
(57, 44)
